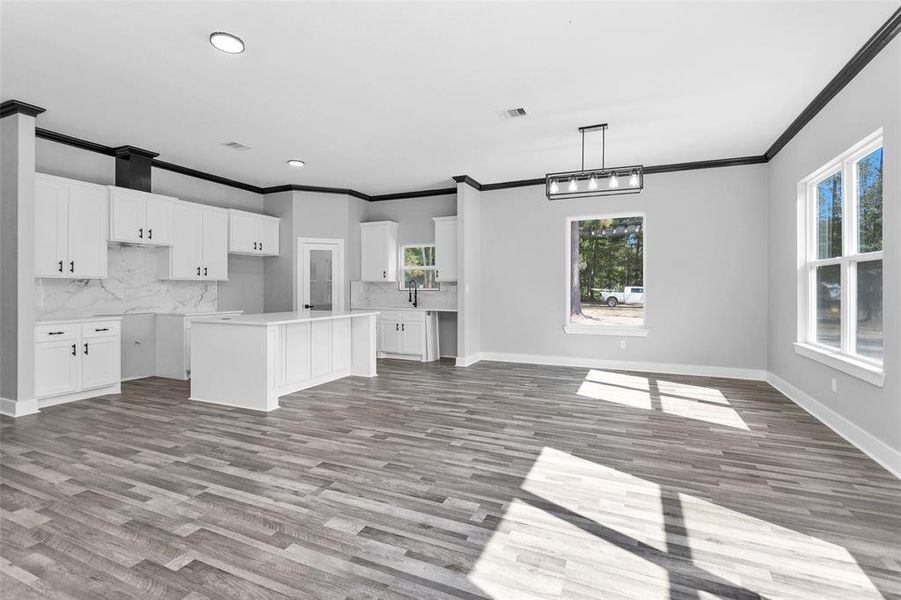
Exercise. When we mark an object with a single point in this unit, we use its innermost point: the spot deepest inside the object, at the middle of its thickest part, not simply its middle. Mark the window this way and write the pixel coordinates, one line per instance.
(605, 292)
(840, 279)
(418, 266)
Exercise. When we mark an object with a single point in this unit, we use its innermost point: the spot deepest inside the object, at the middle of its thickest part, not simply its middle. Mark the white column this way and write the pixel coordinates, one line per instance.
(17, 144)
(469, 274)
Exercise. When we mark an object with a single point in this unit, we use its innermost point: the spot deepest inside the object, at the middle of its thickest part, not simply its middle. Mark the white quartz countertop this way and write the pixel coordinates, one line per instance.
(80, 320)
(283, 318)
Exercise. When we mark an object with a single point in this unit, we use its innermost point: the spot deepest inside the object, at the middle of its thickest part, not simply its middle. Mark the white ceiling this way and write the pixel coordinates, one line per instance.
(391, 97)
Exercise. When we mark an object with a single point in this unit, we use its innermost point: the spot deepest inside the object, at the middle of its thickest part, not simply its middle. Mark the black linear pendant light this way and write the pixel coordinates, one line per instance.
(594, 182)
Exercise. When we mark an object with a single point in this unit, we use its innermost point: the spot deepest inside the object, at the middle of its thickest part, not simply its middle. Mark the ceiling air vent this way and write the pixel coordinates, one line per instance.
(236, 146)
(512, 113)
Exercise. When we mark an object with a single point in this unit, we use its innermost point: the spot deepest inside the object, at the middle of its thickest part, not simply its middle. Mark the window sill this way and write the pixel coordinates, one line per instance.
(859, 369)
(611, 331)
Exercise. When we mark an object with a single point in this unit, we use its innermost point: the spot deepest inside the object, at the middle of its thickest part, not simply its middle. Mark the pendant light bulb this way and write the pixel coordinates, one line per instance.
(554, 187)
(614, 182)
(633, 178)
(593, 182)
(573, 186)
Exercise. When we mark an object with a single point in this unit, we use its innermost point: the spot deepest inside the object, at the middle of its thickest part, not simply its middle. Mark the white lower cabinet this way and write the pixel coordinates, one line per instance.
(76, 359)
(409, 334)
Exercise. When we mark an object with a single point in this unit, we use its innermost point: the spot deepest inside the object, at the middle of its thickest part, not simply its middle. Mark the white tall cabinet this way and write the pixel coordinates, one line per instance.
(252, 234)
(70, 226)
(445, 248)
(74, 360)
(378, 251)
(140, 217)
(199, 248)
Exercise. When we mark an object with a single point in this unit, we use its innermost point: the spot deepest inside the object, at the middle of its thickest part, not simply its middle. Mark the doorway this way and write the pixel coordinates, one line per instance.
(320, 274)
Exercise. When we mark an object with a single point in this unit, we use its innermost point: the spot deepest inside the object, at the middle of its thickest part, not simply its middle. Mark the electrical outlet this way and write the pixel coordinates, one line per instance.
(622, 344)
(834, 385)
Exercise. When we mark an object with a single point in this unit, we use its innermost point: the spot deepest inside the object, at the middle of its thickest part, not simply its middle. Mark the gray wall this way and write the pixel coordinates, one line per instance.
(244, 288)
(705, 279)
(471, 288)
(413, 216)
(278, 278)
(870, 101)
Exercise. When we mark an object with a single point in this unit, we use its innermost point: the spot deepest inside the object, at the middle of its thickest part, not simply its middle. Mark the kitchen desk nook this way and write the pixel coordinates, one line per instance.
(248, 361)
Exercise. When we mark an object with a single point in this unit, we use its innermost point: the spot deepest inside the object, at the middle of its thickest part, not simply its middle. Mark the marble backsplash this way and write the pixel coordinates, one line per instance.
(132, 286)
(364, 294)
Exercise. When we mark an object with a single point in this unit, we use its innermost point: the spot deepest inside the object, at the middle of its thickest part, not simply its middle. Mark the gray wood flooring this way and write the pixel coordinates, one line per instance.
(495, 481)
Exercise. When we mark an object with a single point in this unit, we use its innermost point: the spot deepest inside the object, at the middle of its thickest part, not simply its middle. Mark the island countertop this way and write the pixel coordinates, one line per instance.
(283, 318)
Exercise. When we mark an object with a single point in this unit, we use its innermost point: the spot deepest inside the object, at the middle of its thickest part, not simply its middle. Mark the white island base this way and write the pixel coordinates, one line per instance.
(248, 361)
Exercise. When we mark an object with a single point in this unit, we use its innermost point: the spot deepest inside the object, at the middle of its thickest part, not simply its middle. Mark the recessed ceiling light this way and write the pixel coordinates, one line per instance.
(227, 42)
(296, 163)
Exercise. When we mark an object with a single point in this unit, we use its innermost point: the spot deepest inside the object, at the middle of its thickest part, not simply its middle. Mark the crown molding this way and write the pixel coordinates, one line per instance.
(129, 151)
(17, 107)
(877, 42)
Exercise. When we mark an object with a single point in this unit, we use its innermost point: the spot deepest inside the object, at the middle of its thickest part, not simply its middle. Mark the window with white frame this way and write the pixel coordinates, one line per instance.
(418, 267)
(605, 291)
(840, 280)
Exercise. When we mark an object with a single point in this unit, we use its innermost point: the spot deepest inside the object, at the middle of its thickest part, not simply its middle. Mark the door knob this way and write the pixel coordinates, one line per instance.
(310, 306)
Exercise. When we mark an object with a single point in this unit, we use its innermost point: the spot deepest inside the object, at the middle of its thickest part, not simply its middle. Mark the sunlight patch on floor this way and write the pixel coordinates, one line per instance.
(583, 526)
(679, 399)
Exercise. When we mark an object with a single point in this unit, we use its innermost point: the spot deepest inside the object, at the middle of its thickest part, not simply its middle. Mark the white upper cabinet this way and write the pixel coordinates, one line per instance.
(378, 248)
(140, 217)
(446, 248)
(199, 248)
(252, 234)
(70, 228)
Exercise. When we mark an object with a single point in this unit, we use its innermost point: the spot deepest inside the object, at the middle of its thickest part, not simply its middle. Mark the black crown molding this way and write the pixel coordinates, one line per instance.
(129, 151)
(419, 194)
(861, 58)
(468, 181)
(17, 107)
(877, 42)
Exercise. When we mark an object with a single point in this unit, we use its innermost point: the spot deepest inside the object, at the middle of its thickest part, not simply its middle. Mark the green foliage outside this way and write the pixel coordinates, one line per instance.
(611, 255)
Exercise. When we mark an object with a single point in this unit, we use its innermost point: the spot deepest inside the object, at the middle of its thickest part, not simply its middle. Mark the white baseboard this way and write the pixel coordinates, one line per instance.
(876, 449)
(116, 388)
(623, 365)
(465, 361)
(15, 409)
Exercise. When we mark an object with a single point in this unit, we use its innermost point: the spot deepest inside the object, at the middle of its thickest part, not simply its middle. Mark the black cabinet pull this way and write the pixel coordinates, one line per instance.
(204, 271)
(56, 333)
(384, 274)
(101, 329)
(402, 327)
(73, 350)
(60, 266)
(198, 271)
(150, 234)
(141, 232)
(261, 245)
(71, 266)
(85, 348)
(254, 245)
(397, 327)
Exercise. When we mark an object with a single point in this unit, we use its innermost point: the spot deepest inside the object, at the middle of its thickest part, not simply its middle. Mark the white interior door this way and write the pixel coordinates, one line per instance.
(321, 274)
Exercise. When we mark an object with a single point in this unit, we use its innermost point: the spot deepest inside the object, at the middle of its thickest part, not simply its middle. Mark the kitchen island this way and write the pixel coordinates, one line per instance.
(248, 361)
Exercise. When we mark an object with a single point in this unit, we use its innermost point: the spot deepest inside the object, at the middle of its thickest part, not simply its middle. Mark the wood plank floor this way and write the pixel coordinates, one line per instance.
(495, 481)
